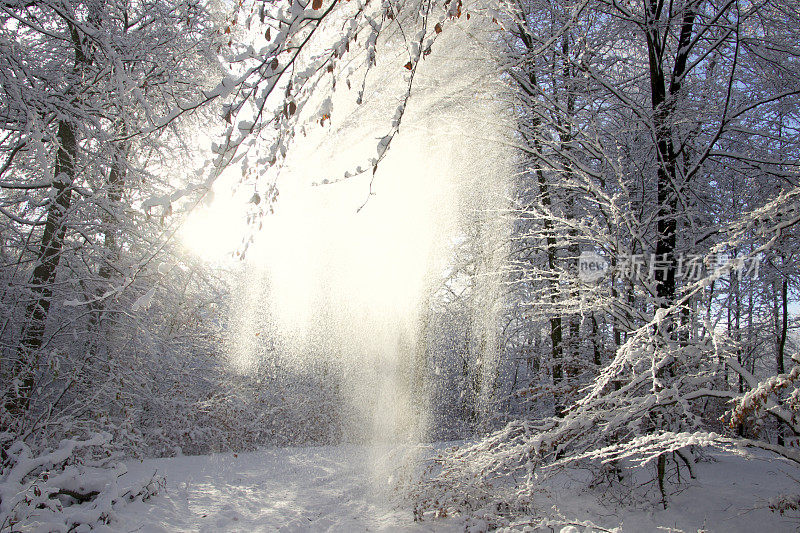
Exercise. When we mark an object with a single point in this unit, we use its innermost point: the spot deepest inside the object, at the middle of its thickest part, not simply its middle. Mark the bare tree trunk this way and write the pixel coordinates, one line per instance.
(784, 329)
(737, 314)
(663, 105)
(597, 344)
(565, 121)
(52, 242)
(529, 87)
(44, 273)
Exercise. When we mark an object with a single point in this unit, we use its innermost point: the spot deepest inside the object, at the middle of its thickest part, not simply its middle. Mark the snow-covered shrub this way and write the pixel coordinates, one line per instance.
(645, 407)
(72, 487)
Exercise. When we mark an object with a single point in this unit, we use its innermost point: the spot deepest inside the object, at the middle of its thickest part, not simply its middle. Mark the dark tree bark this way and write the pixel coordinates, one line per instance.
(52, 241)
(667, 180)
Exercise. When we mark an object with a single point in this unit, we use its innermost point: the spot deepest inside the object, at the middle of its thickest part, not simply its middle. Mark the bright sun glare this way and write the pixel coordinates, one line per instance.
(331, 280)
(214, 232)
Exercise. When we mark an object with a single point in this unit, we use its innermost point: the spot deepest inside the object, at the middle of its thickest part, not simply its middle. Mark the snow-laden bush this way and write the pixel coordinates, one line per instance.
(73, 487)
(646, 407)
(666, 392)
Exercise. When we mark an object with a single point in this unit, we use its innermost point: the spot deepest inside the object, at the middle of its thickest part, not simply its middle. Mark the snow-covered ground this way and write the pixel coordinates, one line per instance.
(730, 494)
(329, 488)
(336, 489)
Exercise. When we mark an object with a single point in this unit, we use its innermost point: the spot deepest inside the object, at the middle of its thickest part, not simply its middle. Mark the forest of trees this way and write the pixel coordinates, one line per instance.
(631, 294)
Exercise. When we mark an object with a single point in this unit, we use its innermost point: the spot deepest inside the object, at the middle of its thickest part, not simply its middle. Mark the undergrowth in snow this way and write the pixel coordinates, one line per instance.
(74, 487)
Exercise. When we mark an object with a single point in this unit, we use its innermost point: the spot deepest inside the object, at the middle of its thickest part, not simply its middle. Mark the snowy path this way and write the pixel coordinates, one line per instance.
(334, 489)
(296, 489)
